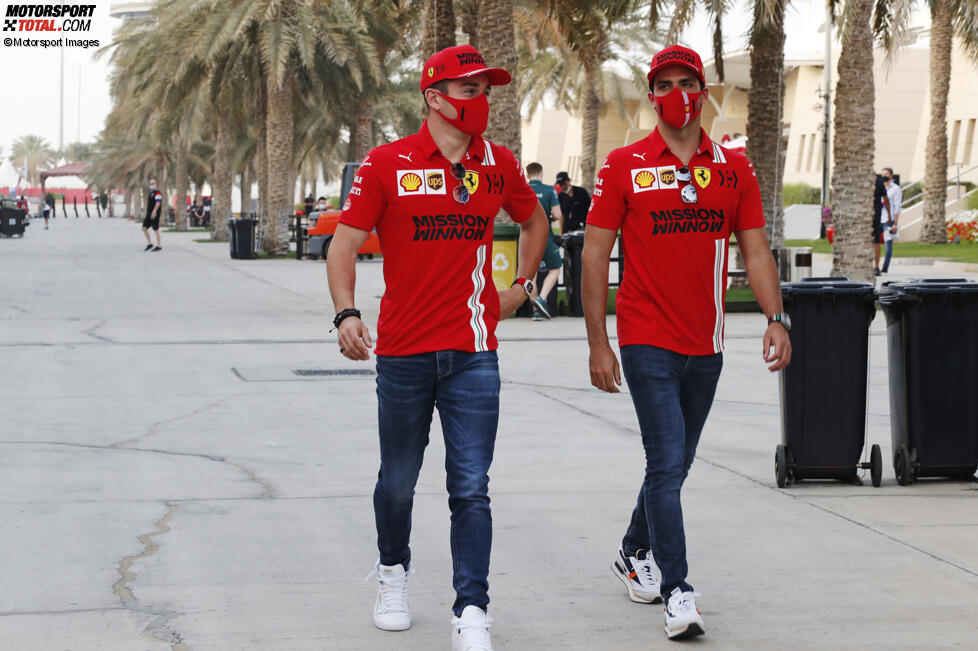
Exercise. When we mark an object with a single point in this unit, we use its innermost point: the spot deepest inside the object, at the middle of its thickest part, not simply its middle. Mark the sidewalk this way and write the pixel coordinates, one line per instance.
(168, 482)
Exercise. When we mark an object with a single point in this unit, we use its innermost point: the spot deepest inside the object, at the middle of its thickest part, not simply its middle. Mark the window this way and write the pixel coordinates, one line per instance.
(801, 152)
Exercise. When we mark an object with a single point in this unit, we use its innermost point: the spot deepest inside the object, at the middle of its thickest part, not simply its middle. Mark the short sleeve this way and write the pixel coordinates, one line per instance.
(520, 202)
(159, 197)
(367, 200)
(608, 199)
(750, 211)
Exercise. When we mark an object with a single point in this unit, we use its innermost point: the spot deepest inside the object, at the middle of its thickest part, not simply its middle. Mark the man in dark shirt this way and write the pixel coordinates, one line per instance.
(309, 203)
(154, 205)
(879, 194)
(575, 202)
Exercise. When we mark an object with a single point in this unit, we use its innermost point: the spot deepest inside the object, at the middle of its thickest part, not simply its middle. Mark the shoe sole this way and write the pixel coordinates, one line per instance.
(391, 628)
(692, 630)
(628, 586)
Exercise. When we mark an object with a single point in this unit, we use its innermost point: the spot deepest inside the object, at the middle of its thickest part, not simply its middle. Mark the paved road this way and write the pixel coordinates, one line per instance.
(168, 482)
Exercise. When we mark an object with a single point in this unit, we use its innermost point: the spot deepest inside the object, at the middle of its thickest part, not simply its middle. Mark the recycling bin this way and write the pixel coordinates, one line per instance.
(242, 238)
(932, 342)
(823, 389)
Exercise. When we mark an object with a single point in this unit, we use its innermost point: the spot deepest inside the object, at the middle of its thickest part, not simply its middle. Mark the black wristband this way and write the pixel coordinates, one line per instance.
(344, 314)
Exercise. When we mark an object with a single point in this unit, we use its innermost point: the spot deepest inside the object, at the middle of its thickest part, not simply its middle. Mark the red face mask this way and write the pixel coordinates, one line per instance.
(677, 108)
(473, 114)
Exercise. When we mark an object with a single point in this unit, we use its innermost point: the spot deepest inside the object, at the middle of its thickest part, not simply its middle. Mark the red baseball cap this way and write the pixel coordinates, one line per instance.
(677, 55)
(457, 63)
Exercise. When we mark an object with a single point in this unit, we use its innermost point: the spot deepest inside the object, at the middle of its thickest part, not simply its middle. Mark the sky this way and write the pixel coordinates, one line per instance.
(30, 74)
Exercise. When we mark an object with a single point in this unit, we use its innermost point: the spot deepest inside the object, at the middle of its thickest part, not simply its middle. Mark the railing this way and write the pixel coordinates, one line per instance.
(917, 197)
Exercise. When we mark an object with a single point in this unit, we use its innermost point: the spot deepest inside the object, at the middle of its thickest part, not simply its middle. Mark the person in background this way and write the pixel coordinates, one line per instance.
(575, 202)
(891, 214)
(154, 204)
(551, 256)
(879, 198)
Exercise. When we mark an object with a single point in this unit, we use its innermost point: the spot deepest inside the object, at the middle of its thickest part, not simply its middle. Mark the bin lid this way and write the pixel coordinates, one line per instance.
(827, 285)
(505, 231)
(916, 288)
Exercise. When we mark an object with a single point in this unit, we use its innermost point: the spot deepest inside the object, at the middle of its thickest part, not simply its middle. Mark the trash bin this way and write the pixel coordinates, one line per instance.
(932, 340)
(823, 390)
(12, 219)
(799, 263)
(574, 246)
(505, 259)
(242, 238)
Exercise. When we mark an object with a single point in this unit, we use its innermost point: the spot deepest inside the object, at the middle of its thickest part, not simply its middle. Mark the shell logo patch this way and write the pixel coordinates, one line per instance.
(410, 182)
(644, 179)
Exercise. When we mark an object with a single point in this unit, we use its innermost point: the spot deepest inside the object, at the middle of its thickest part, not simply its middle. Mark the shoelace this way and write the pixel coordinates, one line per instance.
(393, 592)
(645, 573)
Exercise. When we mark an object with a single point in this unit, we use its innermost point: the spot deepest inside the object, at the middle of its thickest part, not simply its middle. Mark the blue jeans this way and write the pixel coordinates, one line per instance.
(465, 388)
(672, 394)
(888, 246)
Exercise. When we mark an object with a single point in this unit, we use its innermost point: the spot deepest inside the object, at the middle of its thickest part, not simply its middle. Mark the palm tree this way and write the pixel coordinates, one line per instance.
(498, 40)
(853, 145)
(949, 18)
(438, 26)
(37, 153)
(78, 152)
(765, 100)
(583, 29)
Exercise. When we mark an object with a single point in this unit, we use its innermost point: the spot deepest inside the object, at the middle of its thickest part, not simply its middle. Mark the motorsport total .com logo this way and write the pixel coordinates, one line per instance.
(47, 20)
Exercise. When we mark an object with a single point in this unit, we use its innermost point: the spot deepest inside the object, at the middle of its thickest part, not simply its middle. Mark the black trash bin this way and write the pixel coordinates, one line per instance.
(242, 238)
(574, 246)
(823, 390)
(12, 219)
(932, 339)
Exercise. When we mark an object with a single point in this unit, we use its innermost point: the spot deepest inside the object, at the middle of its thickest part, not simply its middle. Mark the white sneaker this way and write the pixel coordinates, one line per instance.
(638, 574)
(683, 619)
(391, 611)
(470, 632)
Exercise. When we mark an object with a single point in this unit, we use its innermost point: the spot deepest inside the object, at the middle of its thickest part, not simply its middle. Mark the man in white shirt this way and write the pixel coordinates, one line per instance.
(891, 214)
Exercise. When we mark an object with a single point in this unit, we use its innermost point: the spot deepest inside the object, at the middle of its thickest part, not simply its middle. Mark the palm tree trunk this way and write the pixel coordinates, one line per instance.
(590, 111)
(180, 206)
(764, 106)
(281, 184)
(363, 138)
(935, 171)
(246, 189)
(221, 178)
(498, 38)
(439, 26)
(853, 146)
(261, 152)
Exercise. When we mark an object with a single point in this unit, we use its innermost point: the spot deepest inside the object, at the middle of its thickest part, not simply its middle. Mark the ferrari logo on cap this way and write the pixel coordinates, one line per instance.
(431, 72)
(702, 176)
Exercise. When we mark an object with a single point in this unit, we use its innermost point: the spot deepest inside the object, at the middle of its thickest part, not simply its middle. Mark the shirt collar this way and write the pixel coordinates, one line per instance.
(477, 147)
(658, 145)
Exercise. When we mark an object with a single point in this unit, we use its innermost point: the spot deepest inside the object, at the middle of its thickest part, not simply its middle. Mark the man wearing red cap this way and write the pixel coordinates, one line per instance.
(432, 198)
(676, 197)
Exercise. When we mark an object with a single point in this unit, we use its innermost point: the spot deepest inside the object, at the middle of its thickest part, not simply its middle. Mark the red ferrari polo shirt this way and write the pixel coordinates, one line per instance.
(437, 252)
(672, 293)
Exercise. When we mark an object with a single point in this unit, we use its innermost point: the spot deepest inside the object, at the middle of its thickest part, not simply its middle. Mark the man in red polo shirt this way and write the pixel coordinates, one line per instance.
(433, 198)
(677, 197)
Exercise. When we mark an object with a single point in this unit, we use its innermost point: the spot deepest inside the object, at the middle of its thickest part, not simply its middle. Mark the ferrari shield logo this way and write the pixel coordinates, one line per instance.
(471, 181)
(702, 176)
